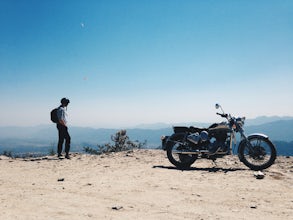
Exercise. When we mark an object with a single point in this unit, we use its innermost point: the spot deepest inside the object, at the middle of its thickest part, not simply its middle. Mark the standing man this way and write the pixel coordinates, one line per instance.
(63, 129)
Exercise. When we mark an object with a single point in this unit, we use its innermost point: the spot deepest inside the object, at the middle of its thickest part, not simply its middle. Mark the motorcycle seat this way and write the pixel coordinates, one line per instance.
(196, 129)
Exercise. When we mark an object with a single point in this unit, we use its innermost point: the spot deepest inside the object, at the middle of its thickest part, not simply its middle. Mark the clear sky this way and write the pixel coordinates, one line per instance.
(123, 63)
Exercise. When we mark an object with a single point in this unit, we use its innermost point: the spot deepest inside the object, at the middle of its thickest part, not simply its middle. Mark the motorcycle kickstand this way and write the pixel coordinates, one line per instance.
(214, 161)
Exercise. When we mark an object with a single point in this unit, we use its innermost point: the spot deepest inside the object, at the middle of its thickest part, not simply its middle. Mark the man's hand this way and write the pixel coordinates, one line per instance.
(62, 123)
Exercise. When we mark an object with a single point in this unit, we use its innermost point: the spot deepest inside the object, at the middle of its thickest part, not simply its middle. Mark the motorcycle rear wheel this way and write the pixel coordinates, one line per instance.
(261, 156)
(181, 161)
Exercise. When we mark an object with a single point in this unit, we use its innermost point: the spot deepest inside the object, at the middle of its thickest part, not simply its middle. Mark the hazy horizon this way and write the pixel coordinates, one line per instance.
(257, 120)
(124, 63)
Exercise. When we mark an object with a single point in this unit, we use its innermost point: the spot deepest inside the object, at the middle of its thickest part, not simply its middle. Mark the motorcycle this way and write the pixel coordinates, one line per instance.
(187, 144)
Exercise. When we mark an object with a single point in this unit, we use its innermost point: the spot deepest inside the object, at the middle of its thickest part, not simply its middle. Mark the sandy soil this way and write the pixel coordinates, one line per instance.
(142, 185)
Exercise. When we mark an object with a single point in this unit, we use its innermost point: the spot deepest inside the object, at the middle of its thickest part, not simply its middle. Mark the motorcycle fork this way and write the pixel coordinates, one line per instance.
(246, 141)
(232, 138)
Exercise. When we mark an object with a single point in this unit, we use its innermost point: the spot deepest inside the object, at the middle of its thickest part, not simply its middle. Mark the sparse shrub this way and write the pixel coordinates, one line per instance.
(51, 152)
(28, 155)
(7, 153)
(90, 150)
(121, 143)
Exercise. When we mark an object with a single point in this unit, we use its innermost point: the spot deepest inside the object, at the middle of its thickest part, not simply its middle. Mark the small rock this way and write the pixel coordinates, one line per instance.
(60, 179)
(259, 175)
(117, 207)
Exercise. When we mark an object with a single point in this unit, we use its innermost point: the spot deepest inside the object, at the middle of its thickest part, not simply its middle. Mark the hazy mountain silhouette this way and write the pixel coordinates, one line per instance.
(279, 129)
(266, 119)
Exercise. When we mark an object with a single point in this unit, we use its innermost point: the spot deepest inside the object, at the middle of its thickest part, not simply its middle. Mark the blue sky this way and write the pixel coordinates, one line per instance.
(123, 63)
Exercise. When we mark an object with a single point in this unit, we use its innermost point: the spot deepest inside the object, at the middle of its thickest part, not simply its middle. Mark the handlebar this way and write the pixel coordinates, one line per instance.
(222, 115)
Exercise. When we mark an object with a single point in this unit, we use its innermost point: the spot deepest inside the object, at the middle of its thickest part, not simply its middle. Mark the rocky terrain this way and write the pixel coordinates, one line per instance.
(142, 184)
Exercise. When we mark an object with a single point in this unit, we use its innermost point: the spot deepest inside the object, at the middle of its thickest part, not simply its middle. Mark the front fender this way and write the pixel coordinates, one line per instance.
(257, 135)
(254, 135)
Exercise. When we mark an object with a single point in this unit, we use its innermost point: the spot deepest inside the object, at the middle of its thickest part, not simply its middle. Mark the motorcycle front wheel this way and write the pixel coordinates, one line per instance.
(176, 156)
(259, 154)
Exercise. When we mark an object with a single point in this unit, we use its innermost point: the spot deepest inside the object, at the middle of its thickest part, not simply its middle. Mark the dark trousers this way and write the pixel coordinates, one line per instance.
(63, 135)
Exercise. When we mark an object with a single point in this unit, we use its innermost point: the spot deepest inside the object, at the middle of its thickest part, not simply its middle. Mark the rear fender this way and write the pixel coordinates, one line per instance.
(164, 140)
(169, 139)
(176, 137)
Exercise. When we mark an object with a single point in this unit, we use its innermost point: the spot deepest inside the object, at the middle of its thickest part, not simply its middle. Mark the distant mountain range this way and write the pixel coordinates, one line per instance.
(248, 122)
(44, 137)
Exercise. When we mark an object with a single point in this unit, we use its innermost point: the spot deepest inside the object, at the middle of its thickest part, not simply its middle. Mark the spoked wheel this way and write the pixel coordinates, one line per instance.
(176, 155)
(258, 154)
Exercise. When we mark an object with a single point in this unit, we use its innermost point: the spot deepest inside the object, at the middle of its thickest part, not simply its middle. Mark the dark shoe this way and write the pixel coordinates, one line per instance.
(67, 156)
(59, 155)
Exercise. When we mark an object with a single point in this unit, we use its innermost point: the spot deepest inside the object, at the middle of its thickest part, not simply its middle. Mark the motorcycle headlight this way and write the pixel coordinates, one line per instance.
(240, 121)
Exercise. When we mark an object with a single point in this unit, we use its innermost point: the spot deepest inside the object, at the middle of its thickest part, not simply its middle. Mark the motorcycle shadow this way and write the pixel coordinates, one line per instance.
(207, 169)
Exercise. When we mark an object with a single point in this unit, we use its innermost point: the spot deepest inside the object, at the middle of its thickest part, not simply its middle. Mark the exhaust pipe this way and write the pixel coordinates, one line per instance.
(199, 152)
(191, 152)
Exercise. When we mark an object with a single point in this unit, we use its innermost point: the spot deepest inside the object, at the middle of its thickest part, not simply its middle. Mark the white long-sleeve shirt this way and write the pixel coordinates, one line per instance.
(62, 114)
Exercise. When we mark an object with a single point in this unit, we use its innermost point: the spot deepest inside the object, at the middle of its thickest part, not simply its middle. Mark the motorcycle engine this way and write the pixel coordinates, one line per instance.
(218, 138)
(196, 137)
(219, 132)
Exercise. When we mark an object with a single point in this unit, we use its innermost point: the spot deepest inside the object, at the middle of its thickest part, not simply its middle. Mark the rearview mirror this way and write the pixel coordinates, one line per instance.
(217, 106)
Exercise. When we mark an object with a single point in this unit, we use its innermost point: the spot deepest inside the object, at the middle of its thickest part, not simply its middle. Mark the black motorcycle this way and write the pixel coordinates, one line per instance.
(187, 144)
